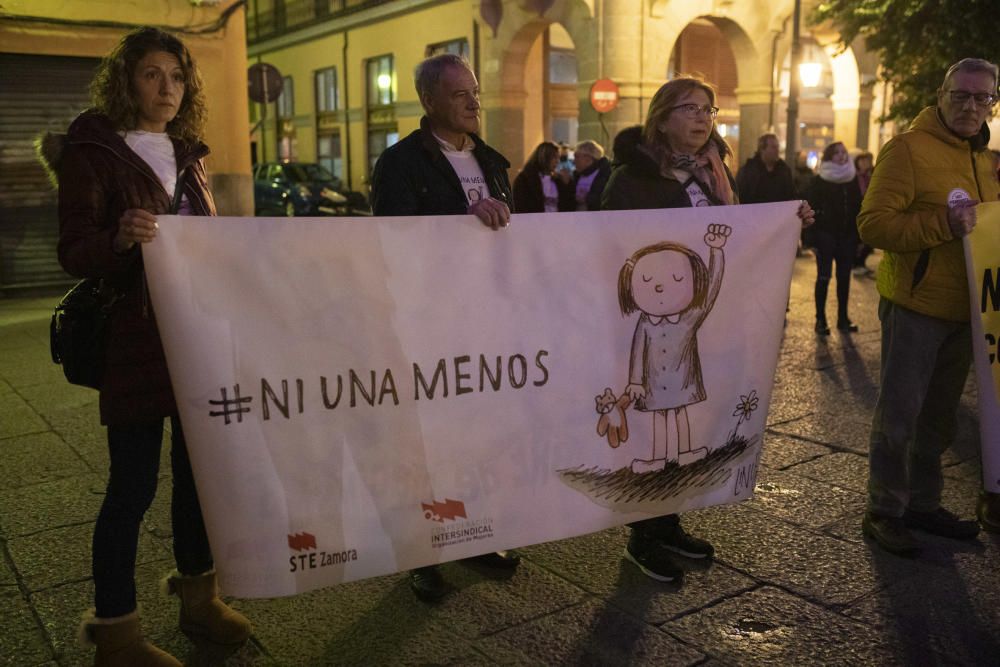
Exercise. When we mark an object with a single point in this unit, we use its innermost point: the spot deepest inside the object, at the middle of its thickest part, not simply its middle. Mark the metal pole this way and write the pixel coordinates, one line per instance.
(792, 131)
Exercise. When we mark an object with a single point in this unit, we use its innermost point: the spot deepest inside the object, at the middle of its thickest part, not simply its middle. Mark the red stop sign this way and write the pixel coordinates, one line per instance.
(604, 95)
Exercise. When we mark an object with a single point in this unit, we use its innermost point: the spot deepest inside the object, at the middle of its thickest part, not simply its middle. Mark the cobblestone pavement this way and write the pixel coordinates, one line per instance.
(793, 583)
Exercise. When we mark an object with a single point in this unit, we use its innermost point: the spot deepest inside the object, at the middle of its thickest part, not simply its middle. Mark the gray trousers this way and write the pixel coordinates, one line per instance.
(925, 362)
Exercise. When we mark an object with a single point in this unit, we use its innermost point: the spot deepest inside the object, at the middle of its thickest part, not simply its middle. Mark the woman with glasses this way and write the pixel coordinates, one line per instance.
(676, 160)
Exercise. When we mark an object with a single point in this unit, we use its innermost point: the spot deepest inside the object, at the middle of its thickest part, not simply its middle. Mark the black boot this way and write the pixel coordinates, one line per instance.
(844, 323)
(822, 285)
(428, 584)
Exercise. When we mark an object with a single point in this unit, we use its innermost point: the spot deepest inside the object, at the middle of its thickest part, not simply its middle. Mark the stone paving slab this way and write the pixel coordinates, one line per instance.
(783, 451)
(803, 501)
(838, 431)
(825, 570)
(22, 641)
(32, 509)
(62, 555)
(844, 469)
(595, 564)
(588, 634)
(769, 626)
(37, 459)
(18, 417)
(31, 366)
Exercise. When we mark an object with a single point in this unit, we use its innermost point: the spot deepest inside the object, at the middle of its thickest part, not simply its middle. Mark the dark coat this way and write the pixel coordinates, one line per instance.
(593, 200)
(837, 206)
(636, 181)
(413, 177)
(99, 178)
(760, 186)
(528, 194)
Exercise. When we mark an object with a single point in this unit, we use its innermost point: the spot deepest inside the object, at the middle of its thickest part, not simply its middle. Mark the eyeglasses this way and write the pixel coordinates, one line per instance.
(981, 99)
(693, 110)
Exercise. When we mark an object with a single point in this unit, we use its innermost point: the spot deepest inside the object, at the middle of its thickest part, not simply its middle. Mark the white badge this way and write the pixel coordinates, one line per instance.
(957, 196)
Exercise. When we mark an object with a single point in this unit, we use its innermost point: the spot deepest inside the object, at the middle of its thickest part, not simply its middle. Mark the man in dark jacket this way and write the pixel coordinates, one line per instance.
(765, 177)
(444, 168)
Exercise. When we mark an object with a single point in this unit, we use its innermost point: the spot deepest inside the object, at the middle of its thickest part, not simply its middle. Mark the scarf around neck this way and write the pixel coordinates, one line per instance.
(706, 166)
(837, 173)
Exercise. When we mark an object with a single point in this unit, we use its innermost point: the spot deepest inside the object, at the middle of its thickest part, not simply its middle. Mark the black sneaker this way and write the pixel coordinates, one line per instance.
(942, 523)
(677, 540)
(890, 533)
(498, 560)
(652, 559)
(428, 584)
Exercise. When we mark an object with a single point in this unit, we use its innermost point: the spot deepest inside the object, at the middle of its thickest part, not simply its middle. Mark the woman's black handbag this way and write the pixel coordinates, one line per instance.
(77, 331)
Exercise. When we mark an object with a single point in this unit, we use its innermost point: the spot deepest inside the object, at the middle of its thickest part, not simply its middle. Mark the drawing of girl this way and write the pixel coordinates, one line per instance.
(670, 284)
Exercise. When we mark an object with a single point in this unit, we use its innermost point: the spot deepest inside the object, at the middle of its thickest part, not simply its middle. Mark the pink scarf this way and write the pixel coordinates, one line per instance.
(705, 165)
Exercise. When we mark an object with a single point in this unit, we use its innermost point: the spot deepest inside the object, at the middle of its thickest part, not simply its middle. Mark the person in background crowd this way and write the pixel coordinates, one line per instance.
(567, 160)
(864, 166)
(540, 188)
(136, 155)
(921, 202)
(676, 160)
(835, 196)
(591, 175)
(804, 175)
(765, 177)
(444, 168)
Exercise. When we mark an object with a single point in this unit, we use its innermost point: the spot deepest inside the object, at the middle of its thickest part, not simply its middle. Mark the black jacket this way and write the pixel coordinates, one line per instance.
(837, 206)
(636, 182)
(759, 186)
(603, 168)
(413, 177)
(529, 196)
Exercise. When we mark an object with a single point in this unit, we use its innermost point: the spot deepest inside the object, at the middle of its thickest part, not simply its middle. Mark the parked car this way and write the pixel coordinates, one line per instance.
(303, 189)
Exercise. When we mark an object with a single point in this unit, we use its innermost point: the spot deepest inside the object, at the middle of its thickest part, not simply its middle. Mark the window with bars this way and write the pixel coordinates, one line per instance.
(381, 81)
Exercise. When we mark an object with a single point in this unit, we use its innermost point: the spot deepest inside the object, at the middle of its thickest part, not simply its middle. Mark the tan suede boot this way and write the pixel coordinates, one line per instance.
(203, 614)
(120, 643)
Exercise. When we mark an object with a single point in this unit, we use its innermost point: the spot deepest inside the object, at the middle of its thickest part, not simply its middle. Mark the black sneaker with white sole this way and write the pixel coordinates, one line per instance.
(679, 541)
(652, 559)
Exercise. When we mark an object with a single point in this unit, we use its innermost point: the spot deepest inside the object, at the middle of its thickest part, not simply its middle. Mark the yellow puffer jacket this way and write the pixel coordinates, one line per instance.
(905, 212)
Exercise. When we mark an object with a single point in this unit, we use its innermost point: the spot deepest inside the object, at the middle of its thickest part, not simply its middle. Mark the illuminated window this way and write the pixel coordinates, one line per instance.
(381, 81)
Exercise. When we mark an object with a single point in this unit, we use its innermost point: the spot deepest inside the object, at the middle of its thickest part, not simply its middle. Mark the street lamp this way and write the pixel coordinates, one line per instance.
(792, 129)
(811, 74)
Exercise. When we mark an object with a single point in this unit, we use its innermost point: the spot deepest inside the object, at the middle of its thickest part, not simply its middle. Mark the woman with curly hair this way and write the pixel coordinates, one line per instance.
(135, 155)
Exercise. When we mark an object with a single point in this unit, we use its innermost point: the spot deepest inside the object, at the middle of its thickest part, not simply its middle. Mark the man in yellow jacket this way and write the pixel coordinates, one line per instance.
(919, 205)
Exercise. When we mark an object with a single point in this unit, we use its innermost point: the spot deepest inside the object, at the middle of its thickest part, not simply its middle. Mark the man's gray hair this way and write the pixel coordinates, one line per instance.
(973, 65)
(428, 73)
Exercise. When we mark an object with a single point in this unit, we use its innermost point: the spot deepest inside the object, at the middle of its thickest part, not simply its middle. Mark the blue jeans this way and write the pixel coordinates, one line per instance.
(135, 464)
(925, 362)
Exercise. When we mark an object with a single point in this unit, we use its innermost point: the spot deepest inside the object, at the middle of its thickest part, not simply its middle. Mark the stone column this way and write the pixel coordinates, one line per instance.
(755, 115)
(864, 117)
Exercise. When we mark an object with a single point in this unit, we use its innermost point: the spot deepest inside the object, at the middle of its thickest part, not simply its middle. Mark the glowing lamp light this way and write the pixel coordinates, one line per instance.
(810, 74)
(383, 81)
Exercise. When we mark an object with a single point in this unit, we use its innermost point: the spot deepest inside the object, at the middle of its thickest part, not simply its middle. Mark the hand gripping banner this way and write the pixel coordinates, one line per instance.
(365, 396)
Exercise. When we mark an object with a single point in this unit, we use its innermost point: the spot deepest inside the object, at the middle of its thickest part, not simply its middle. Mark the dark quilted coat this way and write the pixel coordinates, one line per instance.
(99, 178)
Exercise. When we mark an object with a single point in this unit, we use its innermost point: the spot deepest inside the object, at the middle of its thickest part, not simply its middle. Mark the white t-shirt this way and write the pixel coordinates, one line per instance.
(156, 150)
(470, 174)
(551, 194)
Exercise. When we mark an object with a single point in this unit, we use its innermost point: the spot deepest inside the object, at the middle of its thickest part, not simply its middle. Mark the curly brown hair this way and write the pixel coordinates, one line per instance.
(112, 94)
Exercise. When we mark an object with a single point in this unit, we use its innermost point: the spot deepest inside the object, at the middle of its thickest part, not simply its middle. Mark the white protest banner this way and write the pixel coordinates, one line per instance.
(366, 396)
(982, 262)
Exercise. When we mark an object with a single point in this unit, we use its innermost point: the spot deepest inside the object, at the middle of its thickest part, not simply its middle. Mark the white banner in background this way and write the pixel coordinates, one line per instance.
(982, 263)
(364, 396)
